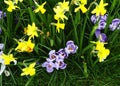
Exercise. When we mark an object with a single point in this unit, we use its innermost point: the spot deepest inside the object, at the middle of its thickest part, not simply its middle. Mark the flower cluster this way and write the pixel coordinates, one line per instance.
(56, 59)
(27, 46)
(101, 20)
(24, 45)
(60, 10)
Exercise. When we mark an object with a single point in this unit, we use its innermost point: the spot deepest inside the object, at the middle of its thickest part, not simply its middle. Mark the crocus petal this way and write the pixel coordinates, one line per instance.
(2, 68)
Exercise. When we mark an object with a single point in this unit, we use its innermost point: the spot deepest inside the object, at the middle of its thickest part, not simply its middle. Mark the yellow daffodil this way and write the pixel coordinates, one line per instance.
(31, 30)
(99, 45)
(8, 58)
(60, 10)
(29, 70)
(60, 14)
(81, 6)
(64, 6)
(30, 46)
(40, 8)
(11, 5)
(59, 25)
(102, 54)
(25, 46)
(21, 46)
(100, 9)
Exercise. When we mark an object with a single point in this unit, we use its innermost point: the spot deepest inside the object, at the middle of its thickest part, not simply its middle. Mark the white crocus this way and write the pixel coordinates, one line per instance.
(2, 68)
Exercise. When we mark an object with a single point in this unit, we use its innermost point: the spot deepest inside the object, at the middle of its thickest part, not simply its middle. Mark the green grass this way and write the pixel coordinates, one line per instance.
(83, 68)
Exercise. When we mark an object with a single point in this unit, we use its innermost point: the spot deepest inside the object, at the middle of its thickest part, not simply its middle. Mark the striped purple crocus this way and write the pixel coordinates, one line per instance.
(101, 24)
(71, 48)
(60, 64)
(53, 55)
(49, 66)
(115, 24)
(62, 54)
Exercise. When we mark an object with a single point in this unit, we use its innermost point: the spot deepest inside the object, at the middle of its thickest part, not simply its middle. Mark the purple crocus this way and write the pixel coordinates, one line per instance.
(97, 33)
(62, 54)
(104, 17)
(56, 59)
(101, 36)
(52, 55)
(2, 14)
(101, 24)
(115, 24)
(94, 18)
(71, 47)
(49, 66)
(60, 64)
